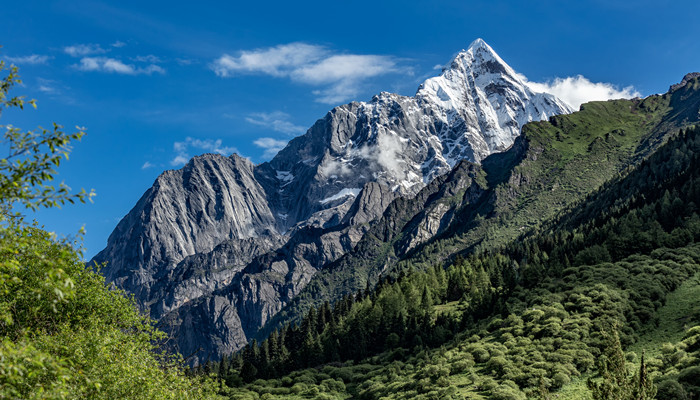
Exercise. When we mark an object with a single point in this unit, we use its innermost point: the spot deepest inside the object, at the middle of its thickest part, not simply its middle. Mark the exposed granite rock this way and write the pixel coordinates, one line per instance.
(187, 211)
(248, 298)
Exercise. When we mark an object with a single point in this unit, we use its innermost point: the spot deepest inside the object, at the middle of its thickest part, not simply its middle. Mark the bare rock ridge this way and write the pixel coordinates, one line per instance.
(215, 249)
(686, 79)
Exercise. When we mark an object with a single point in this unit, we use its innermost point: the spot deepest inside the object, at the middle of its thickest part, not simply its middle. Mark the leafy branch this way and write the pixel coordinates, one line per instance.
(28, 170)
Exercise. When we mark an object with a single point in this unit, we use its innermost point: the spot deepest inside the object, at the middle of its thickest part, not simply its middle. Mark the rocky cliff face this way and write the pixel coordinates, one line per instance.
(186, 212)
(215, 249)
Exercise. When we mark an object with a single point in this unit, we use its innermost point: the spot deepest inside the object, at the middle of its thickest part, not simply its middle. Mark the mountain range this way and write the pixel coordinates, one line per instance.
(215, 250)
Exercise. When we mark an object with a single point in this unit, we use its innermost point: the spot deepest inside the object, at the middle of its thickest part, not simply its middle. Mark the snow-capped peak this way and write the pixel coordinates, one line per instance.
(479, 43)
(479, 88)
(475, 107)
(479, 56)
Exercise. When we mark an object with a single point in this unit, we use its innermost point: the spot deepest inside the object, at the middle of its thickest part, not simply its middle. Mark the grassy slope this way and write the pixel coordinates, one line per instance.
(547, 332)
(680, 312)
(568, 158)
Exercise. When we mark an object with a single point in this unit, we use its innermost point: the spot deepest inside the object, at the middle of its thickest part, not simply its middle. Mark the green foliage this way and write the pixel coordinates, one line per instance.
(63, 333)
(615, 382)
(29, 168)
(679, 368)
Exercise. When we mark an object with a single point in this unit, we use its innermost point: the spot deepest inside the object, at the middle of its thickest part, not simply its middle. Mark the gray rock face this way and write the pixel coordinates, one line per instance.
(245, 299)
(213, 250)
(188, 211)
(400, 229)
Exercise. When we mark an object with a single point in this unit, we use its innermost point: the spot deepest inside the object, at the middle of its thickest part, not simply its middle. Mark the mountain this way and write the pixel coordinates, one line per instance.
(552, 165)
(595, 293)
(215, 249)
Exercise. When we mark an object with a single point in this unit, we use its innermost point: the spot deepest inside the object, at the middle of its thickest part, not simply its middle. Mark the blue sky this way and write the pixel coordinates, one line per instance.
(157, 82)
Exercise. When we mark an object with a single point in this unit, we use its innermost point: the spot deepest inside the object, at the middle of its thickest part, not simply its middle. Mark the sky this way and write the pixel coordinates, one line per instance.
(155, 83)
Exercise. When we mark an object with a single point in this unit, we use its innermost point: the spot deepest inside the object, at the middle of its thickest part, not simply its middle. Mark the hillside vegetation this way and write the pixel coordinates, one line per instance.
(63, 333)
(522, 318)
(550, 168)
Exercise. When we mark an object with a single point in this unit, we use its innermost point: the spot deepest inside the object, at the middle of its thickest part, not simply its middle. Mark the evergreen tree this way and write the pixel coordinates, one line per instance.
(616, 383)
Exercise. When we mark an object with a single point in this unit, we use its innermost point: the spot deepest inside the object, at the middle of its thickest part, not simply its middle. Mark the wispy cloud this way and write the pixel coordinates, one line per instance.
(47, 86)
(277, 121)
(576, 90)
(113, 65)
(185, 61)
(118, 44)
(277, 61)
(183, 149)
(81, 50)
(147, 165)
(55, 89)
(147, 59)
(33, 59)
(271, 146)
(338, 75)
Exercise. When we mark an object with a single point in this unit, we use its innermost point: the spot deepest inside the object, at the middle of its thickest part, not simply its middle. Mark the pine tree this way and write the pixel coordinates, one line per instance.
(645, 390)
(617, 383)
(223, 367)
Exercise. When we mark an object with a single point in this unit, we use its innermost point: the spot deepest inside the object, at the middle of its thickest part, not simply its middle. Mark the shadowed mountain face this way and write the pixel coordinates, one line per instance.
(215, 249)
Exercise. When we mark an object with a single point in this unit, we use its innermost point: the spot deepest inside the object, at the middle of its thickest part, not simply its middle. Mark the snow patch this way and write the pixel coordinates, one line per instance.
(343, 193)
(284, 176)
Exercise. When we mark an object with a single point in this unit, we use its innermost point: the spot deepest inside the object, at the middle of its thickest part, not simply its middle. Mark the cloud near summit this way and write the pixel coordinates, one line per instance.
(336, 75)
(576, 90)
(183, 149)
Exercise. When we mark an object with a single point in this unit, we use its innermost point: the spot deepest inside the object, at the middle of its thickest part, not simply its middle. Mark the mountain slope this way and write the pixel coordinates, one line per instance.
(314, 195)
(523, 319)
(552, 166)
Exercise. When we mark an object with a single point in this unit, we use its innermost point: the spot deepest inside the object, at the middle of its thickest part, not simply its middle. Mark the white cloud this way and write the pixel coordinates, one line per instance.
(182, 149)
(33, 59)
(333, 167)
(80, 50)
(112, 65)
(47, 86)
(339, 68)
(184, 61)
(385, 155)
(271, 146)
(118, 44)
(180, 159)
(147, 165)
(576, 90)
(338, 75)
(147, 59)
(276, 120)
(278, 61)
(388, 152)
